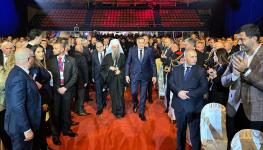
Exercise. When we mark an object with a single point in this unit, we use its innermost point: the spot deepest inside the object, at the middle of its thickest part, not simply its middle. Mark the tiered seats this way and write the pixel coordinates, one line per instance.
(180, 18)
(62, 18)
(137, 2)
(122, 18)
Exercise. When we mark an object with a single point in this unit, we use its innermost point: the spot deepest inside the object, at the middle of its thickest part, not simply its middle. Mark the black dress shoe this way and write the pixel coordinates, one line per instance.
(89, 99)
(104, 105)
(70, 133)
(56, 140)
(143, 118)
(135, 108)
(150, 101)
(87, 113)
(99, 112)
(73, 123)
(119, 116)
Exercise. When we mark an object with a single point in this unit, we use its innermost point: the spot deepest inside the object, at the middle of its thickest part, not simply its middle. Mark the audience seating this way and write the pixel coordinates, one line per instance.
(61, 18)
(122, 18)
(180, 18)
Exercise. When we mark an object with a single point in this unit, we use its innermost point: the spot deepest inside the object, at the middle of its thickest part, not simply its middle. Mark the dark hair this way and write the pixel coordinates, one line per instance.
(37, 63)
(34, 48)
(34, 32)
(222, 55)
(62, 41)
(250, 30)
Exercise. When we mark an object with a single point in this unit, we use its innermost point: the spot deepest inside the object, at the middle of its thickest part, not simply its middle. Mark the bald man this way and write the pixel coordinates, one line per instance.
(23, 109)
(188, 83)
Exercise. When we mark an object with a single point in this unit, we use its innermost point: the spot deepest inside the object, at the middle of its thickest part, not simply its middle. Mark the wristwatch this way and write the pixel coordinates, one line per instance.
(245, 70)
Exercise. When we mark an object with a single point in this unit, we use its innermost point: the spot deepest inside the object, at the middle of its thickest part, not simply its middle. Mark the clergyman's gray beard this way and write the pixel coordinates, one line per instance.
(115, 55)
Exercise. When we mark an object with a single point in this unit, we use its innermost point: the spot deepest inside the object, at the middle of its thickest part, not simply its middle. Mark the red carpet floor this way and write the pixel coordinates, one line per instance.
(106, 132)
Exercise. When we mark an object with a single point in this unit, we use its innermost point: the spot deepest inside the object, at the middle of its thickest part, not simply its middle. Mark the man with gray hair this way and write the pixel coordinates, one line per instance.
(23, 109)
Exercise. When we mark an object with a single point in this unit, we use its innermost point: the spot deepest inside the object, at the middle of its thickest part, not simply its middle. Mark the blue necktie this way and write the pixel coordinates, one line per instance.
(140, 54)
(187, 73)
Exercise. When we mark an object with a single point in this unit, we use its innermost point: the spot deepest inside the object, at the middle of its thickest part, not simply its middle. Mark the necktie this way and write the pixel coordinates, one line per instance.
(141, 55)
(101, 57)
(61, 70)
(187, 73)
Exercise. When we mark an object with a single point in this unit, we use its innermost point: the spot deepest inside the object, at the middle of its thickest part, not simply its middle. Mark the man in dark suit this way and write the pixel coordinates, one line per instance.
(97, 58)
(65, 73)
(150, 86)
(188, 83)
(82, 81)
(166, 59)
(47, 48)
(140, 66)
(23, 102)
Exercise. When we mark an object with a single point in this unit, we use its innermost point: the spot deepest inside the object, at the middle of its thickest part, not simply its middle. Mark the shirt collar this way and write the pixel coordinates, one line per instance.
(140, 49)
(25, 69)
(63, 58)
(187, 65)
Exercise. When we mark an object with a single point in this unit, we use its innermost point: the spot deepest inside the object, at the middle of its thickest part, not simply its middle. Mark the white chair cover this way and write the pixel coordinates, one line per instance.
(213, 127)
(247, 139)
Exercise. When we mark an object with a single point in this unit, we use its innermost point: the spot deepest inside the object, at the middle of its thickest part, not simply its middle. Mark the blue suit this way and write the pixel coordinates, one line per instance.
(23, 107)
(188, 111)
(141, 73)
(100, 95)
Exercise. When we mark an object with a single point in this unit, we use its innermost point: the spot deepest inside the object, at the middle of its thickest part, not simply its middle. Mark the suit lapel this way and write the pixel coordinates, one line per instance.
(97, 58)
(136, 54)
(66, 66)
(55, 62)
(145, 53)
(191, 72)
(181, 75)
(258, 56)
(1, 58)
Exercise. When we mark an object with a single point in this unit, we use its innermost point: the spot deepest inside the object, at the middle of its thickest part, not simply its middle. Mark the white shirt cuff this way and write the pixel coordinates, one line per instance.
(27, 131)
(235, 77)
(247, 72)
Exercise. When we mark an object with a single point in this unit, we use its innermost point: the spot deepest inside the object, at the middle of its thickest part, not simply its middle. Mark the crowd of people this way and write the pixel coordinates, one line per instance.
(43, 79)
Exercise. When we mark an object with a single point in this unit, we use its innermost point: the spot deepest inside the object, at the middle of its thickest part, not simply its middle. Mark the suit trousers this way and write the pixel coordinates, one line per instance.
(100, 95)
(80, 100)
(18, 142)
(193, 121)
(61, 114)
(168, 90)
(149, 90)
(143, 92)
(3, 135)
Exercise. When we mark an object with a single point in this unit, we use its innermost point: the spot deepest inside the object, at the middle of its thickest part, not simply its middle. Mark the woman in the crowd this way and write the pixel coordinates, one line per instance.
(112, 72)
(42, 77)
(217, 92)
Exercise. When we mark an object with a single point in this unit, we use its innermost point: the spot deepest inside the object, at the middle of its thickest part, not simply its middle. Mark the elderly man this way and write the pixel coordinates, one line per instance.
(23, 109)
(112, 72)
(188, 83)
(6, 64)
